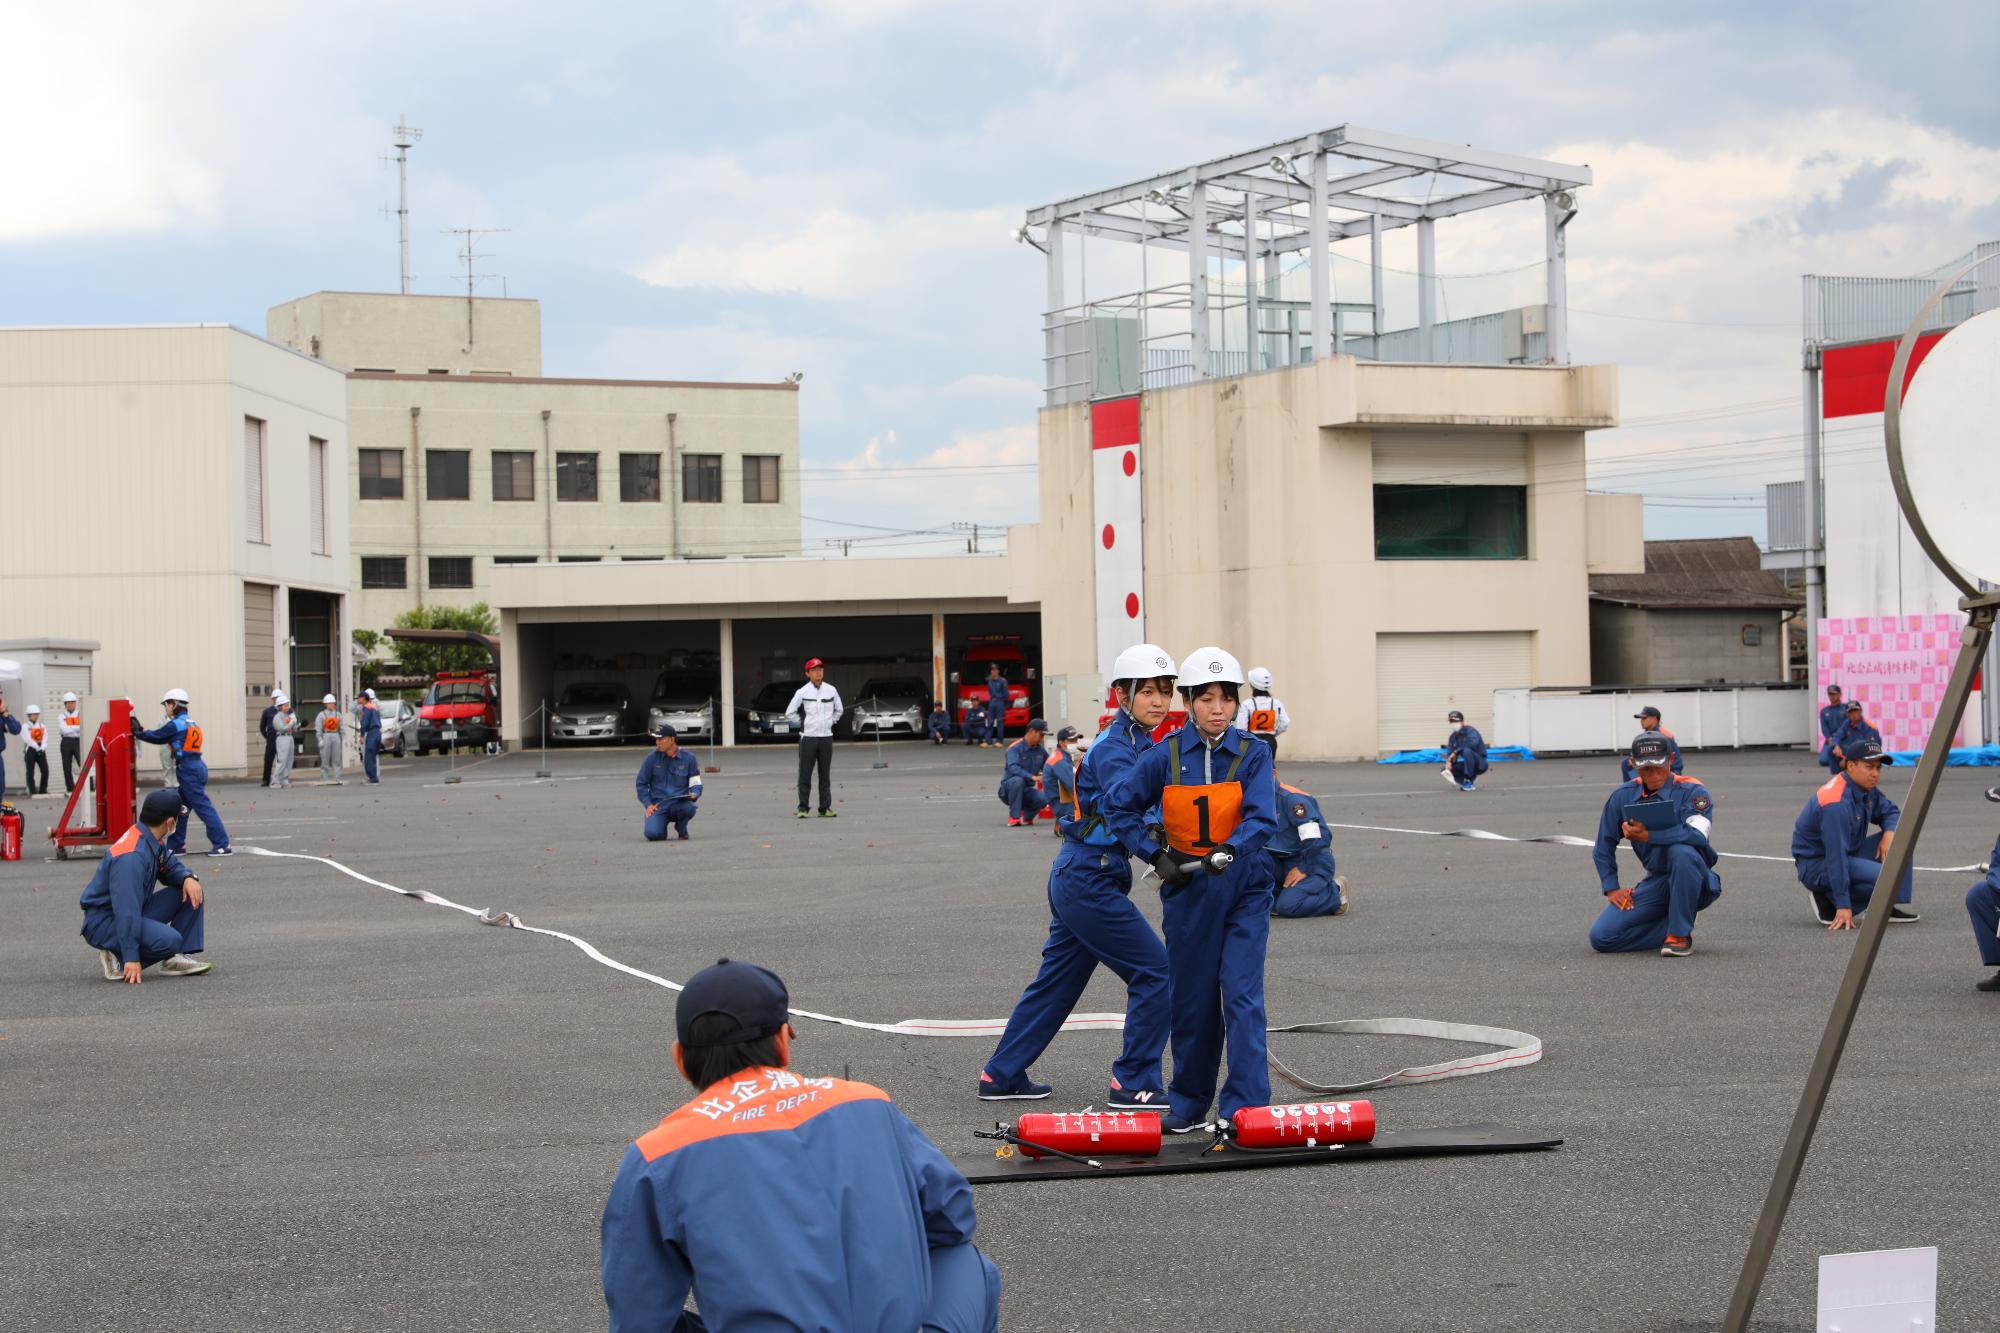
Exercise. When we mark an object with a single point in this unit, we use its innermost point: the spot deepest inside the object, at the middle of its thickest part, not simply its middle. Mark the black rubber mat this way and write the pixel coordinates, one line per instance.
(1197, 1152)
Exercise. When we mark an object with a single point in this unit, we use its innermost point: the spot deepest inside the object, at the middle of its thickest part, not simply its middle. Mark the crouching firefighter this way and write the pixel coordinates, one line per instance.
(1302, 859)
(1666, 818)
(669, 785)
(1213, 785)
(1092, 918)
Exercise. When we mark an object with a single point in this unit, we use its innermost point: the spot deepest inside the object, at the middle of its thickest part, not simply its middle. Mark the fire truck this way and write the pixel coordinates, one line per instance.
(982, 651)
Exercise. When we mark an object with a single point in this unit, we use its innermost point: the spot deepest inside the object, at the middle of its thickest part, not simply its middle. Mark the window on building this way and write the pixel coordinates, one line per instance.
(451, 571)
(515, 559)
(1451, 522)
(760, 479)
(253, 480)
(638, 477)
(513, 474)
(701, 479)
(576, 476)
(578, 559)
(384, 571)
(381, 474)
(448, 474)
(316, 492)
(630, 558)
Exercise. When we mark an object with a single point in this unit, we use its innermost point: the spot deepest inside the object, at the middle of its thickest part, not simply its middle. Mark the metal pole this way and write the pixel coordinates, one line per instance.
(1557, 293)
(1815, 573)
(1056, 357)
(1826, 1061)
(875, 703)
(1197, 234)
(1317, 325)
(1252, 344)
(1426, 289)
(714, 726)
(545, 771)
(451, 757)
(1375, 274)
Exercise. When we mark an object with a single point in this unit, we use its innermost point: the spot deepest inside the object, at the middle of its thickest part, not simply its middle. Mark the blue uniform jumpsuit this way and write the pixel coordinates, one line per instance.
(371, 739)
(1680, 869)
(191, 775)
(673, 783)
(1850, 735)
(1831, 719)
(1059, 780)
(9, 726)
(1467, 749)
(996, 708)
(975, 724)
(1092, 920)
(939, 725)
(1025, 762)
(1218, 926)
(1982, 902)
(133, 905)
(1626, 769)
(1837, 859)
(791, 1202)
(1301, 842)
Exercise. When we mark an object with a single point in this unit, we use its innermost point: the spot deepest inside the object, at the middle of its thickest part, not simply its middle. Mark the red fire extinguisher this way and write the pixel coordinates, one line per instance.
(11, 826)
(1307, 1125)
(1090, 1133)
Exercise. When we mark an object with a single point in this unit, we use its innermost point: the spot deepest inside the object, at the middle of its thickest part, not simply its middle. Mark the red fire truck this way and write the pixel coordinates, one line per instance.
(982, 652)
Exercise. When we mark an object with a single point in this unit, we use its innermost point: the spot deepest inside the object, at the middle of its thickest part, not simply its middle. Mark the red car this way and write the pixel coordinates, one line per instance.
(463, 702)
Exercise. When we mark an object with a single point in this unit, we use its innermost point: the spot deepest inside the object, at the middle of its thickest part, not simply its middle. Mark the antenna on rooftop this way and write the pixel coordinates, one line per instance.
(406, 136)
(469, 257)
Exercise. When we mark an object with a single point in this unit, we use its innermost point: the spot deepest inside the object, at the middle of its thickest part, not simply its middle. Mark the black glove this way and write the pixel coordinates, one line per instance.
(1219, 860)
(1167, 863)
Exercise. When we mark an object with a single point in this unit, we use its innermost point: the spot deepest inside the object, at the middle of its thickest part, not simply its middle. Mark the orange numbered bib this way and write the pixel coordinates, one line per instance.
(1199, 819)
(1263, 722)
(191, 743)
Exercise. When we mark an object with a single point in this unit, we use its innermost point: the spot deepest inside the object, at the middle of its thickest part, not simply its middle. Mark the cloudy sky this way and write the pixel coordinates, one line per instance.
(826, 186)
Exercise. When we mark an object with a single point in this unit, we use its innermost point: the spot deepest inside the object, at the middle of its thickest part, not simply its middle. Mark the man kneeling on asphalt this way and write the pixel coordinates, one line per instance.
(785, 1201)
(1837, 859)
(669, 785)
(1021, 783)
(142, 906)
(1666, 818)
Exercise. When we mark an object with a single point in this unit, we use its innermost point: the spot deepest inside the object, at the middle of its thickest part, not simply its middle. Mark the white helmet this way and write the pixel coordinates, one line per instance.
(329, 700)
(1143, 661)
(1260, 678)
(278, 698)
(70, 697)
(1206, 666)
(174, 696)
(34, 710)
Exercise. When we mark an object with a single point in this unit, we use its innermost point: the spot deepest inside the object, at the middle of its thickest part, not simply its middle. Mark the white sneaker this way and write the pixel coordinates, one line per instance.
(1445, 773)
(114, 967)
(180, 965)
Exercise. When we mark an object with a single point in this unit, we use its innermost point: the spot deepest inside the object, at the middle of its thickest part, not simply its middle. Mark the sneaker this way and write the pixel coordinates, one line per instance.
(1026, 1090)
(1346, 896)
(1900, 915)
(1446, 774)
(828, 814)
(684, 837)
(1677, 946)
(180, 965)
(1822, 908)
(1991, 983)
(1012, 822)
(1468, 787)
(803, 813)
(1173, 1124)
(114, 967)
(1135, 1099)
(222, 851)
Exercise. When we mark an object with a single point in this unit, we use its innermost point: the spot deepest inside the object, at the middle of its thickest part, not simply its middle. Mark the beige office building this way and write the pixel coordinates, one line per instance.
(464, 456)
(174, 496)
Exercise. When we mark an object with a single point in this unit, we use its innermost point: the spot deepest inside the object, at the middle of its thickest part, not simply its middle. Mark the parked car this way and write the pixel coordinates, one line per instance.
(591, 711)
(765, 719)
(399, 725)
(889, 704)
(684, 699)
(464, 703)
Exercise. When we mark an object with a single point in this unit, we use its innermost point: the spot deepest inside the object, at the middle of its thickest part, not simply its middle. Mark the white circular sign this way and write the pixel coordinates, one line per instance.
(1950, 430)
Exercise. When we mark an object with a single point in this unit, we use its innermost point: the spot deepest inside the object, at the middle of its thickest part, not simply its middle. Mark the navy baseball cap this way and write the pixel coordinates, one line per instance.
(1069, 734)
(1833, 689)
(1454, 716)
(161, 806)
(1038, 724)
(664, 730)
(1646, 712)
(1866, 751)
(1650, 749)
(1854, 706)
(750, 995)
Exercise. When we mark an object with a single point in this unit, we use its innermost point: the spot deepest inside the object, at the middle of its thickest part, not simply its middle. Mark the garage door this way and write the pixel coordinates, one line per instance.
(260, 674)
(1421, 677)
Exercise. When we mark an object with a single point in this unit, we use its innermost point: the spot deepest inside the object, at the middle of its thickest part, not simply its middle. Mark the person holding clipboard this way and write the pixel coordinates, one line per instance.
(1666, 817)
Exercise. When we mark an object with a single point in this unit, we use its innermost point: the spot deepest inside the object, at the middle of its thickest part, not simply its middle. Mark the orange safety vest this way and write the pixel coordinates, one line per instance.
(38, 733)
(330, 722)
(1263, 722)
(1199, 819)
(191, 742)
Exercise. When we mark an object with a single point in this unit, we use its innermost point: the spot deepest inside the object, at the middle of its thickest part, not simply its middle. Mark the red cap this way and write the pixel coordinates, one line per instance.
(812, 662)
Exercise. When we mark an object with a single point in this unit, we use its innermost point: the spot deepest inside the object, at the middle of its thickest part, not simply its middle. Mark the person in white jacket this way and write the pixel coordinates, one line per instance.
(285, 726)
(1263, 714)
(816, 708)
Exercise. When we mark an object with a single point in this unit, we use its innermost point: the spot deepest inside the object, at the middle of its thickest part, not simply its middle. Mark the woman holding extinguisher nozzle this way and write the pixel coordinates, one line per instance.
(1213, 786)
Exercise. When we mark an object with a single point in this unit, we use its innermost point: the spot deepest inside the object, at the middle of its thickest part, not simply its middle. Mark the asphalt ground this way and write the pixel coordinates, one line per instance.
(377, 1113)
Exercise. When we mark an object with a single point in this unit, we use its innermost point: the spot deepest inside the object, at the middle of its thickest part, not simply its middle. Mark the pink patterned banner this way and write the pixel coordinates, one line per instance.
(1897, 667)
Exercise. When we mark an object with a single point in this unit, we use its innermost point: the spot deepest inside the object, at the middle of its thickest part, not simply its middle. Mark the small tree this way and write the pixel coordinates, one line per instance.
(427, 659)
(366, 669)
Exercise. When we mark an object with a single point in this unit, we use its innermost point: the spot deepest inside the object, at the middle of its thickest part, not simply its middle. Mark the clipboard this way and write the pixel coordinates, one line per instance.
(1654, 814)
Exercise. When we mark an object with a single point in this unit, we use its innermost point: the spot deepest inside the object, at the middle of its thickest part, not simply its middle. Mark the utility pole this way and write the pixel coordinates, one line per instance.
(406, 136)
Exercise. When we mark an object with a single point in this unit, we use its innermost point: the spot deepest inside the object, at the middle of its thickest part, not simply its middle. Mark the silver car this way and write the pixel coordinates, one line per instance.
(888, 705)
(592, 711)
(684, 699)
(399, 725)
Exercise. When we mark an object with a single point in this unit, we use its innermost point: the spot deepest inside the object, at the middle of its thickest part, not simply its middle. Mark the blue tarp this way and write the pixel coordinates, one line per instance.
(1496, 754)
(1969, 756)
